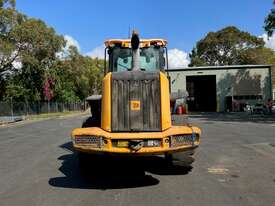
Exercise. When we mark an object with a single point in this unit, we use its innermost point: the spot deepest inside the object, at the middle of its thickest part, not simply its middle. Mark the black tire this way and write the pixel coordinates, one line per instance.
(169, 158)
(191, 152)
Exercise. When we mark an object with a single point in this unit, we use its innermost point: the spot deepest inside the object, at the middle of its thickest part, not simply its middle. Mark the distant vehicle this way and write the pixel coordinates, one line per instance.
(259, 108)
(248, 108)
(273, 107)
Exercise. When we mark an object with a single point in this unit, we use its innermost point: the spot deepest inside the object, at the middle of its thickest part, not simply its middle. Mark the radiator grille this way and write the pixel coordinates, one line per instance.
(135, 86)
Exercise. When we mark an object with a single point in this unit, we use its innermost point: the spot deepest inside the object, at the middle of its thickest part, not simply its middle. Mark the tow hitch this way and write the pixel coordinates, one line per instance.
(136, 144)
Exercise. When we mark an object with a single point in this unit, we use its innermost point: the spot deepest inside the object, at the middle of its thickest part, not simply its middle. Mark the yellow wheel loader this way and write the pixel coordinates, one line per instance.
(132, 116)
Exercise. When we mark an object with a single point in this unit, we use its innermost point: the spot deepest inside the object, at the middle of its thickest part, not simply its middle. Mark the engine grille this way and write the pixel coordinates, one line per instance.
(136, 86)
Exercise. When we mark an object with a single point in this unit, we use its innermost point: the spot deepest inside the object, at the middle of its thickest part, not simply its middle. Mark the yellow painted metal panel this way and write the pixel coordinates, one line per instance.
(106, 103)
(165, 102)
(142, 152)
(173, 130)
(164, 148)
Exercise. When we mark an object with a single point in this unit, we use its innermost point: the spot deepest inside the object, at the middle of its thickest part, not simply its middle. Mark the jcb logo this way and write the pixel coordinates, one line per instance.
(135, 105)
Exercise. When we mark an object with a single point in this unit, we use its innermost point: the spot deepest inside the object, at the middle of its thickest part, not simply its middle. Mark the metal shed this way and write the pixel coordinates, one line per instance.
(222, 88)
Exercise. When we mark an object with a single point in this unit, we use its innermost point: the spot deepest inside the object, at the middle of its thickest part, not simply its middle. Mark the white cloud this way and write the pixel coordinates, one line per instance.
(70, 41)
(269, 41)
(177, 59)
(97, 52)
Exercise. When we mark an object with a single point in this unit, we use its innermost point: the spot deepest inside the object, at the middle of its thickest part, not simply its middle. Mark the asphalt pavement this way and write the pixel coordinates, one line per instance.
(234, 165)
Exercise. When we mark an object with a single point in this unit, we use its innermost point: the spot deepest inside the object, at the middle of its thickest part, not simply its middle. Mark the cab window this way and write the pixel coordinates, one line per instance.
(151, 59)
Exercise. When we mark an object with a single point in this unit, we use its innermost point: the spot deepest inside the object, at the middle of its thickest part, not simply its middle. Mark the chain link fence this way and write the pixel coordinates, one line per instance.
(13, 110)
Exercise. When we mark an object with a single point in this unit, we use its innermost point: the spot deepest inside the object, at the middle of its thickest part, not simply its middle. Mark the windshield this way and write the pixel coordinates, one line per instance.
(151, 59)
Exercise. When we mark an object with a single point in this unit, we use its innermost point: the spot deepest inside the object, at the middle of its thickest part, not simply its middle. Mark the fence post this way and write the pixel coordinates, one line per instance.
(28, 108)
(38, 111)
(25, 109)
(11, 108)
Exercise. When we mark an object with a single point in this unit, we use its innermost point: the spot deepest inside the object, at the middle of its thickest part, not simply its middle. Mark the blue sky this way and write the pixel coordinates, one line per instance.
(181, 22)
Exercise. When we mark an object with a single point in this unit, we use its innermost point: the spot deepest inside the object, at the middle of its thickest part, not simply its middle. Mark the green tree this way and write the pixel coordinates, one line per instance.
(34, 39)
(7, 3)
(41, 73)
(9, 19)
(269, 23)
(78, 76)
(260, 56)
(223, 47)
(36, 45)
(15, 92)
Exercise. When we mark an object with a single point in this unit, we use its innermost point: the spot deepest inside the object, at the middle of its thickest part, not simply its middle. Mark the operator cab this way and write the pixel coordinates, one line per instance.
(152, 55)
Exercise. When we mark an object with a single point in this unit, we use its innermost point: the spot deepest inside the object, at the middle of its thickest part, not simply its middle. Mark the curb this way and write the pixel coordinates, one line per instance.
(28, 121)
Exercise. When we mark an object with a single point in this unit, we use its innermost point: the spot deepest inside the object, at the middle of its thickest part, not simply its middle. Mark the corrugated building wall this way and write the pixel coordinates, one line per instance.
(249, 84)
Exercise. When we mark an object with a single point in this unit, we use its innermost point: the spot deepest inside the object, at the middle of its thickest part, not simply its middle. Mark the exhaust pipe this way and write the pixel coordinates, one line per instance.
(135, 50)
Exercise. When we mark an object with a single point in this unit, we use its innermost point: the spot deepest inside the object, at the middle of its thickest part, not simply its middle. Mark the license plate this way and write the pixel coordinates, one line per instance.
(150, 143)
(122, 143)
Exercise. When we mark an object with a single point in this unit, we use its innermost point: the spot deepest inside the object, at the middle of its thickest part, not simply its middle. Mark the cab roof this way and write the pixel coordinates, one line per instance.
(143, 42)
